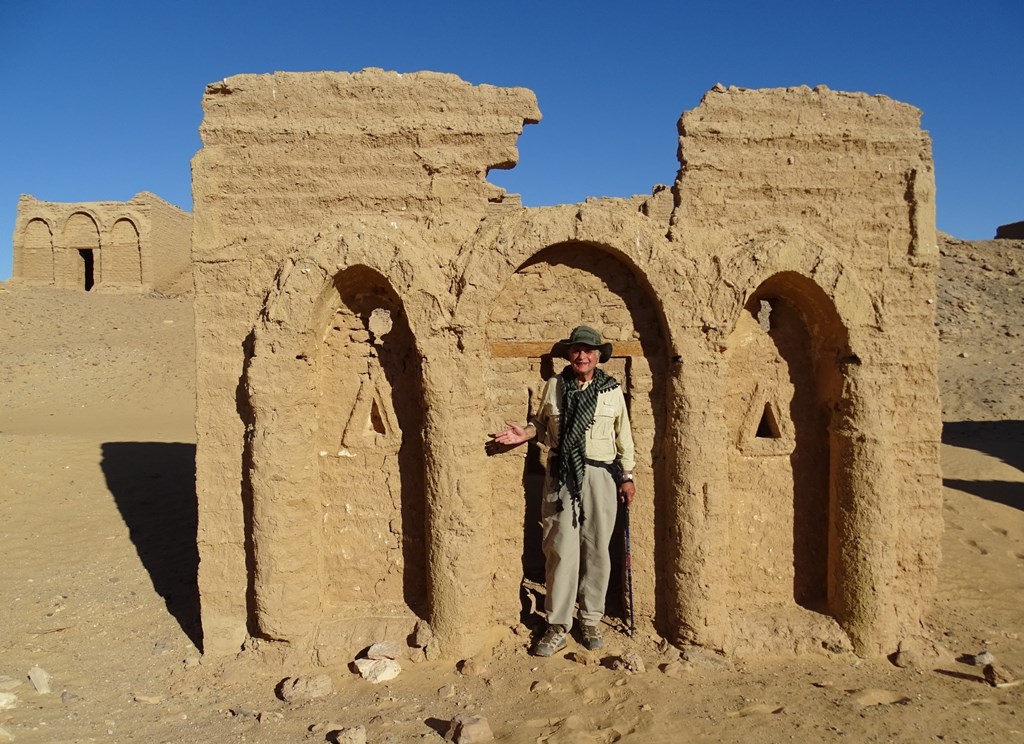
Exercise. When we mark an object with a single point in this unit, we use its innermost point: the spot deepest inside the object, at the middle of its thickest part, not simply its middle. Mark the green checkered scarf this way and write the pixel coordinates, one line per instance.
(578, 409)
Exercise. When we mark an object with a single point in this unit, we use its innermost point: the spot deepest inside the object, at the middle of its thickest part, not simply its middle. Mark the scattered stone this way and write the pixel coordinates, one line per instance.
(983, 659)
(469, 730)
(675, 669)
(66, 697)
(919, 653)
(299, 689)
(586, 658)
(432, 650)
(999, 676)
(148, 699)
(871, 696)
(384, 650)
(376, 671)
(348, 735)
(472, 668)
(541, 685)
(701, 658)
(422, 635)
(8, 683)
(630, 663)
(40, 679)
(646, 708)
(446, 692)
(758, 709)
(8, 700)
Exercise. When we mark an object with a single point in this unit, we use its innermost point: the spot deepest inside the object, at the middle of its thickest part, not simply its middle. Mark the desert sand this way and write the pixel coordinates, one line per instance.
(98, 580)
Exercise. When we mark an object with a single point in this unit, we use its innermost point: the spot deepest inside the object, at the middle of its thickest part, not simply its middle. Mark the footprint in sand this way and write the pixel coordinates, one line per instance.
(998, 530)
(973, 544)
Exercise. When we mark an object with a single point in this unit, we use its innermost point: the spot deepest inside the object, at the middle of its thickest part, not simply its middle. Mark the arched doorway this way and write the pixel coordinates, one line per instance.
(558, 288)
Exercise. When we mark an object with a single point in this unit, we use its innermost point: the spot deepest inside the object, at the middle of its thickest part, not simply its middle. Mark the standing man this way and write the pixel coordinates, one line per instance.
(583, 419)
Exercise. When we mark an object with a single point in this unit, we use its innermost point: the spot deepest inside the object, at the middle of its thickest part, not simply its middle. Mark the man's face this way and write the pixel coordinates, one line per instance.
(583, 360)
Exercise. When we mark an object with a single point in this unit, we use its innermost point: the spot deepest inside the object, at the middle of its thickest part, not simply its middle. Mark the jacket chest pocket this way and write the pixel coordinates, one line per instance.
(604, 422)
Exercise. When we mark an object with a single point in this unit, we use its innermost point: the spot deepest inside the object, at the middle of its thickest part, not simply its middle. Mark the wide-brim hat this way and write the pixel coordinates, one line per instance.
(586, 336)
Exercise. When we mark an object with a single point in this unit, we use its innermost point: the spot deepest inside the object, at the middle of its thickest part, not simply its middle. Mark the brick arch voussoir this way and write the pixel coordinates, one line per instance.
(759, 257)
(505, 244)
(94, 217)
(289, 322)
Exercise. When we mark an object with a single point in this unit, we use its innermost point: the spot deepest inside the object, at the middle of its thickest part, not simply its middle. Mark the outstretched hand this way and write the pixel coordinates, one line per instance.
(514, 434)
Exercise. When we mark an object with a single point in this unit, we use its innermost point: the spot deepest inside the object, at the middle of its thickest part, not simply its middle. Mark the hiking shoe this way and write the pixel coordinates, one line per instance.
(553, 640)
(591, 637)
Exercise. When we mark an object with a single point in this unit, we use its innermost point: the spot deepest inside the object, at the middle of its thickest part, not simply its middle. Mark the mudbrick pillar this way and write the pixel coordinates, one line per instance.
(697, 489)
(863, 517)
(458, 509)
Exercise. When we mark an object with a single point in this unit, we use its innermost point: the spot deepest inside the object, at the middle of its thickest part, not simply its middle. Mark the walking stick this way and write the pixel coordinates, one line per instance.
(629, 577)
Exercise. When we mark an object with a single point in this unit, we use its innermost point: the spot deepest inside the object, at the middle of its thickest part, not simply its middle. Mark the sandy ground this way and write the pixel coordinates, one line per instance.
(98, 564)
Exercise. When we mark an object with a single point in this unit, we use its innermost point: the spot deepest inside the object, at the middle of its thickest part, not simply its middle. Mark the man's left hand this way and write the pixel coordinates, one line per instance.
(626, 493)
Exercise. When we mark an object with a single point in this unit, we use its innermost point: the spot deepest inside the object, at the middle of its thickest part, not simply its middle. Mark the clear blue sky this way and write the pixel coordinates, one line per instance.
(102, 99)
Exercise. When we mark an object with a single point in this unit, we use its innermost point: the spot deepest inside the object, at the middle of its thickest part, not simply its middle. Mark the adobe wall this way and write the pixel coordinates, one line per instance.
(139, 245)
(369, 309)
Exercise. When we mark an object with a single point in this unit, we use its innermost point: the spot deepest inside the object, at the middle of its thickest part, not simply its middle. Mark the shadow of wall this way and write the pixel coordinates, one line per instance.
(153, 485)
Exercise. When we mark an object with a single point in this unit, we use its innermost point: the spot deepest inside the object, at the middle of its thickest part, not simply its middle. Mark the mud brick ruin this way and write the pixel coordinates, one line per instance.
(139, 245)
(369, 309)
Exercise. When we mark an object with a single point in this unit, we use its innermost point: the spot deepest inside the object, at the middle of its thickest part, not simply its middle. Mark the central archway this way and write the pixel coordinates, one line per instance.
(562, 286)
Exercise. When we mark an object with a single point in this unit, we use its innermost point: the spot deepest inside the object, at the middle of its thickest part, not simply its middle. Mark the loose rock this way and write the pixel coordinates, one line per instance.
(40, 679)
(630, 663)
(8, 700)
(865, 698)
(469, 730)
(376, 671)
(1000, 676)
(701, 658)
(298, 689)
(384, 650)
(350, 735)
(541, 685)
(919, 653)
(675, 669)
(472, 668)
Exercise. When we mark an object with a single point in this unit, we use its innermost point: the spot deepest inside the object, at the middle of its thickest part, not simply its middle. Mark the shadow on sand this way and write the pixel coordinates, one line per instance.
(1003, 440)
(153, 484)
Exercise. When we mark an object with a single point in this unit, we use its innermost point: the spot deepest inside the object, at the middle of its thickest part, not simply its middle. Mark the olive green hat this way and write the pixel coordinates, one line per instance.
(586, 336)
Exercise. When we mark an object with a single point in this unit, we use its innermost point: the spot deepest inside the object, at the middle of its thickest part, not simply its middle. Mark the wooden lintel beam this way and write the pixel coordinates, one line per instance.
(521, 349)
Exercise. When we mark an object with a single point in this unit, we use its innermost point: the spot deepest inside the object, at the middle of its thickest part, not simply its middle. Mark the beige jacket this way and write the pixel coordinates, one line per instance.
(609, 439)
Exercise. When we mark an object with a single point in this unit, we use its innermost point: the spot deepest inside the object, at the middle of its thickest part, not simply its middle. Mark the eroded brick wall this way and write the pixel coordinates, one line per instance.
(773, 332)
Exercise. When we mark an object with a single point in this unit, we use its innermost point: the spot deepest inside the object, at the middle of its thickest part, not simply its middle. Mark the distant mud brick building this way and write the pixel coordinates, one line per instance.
(143, 244)
(369, 309)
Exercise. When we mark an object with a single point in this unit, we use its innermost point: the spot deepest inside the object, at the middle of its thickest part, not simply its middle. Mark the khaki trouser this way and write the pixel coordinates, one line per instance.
(577, 563)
